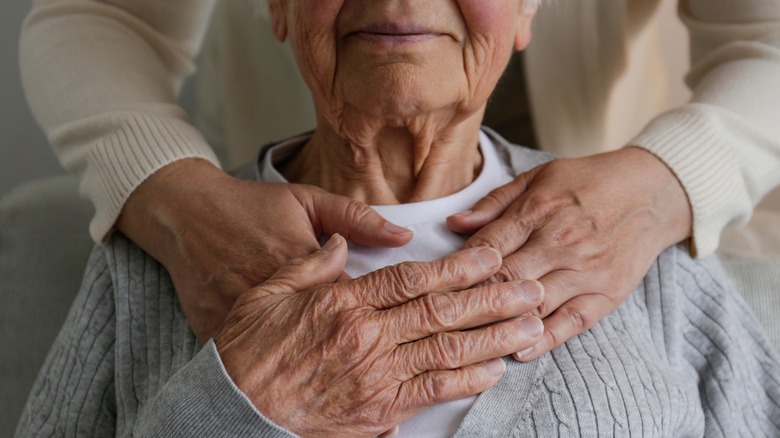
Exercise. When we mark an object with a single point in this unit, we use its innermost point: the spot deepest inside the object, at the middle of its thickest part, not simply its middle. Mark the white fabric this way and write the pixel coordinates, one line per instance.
(432, 240)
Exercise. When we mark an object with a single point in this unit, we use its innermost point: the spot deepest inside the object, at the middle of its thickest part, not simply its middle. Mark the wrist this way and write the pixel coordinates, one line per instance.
(667, 195)
(154, 213)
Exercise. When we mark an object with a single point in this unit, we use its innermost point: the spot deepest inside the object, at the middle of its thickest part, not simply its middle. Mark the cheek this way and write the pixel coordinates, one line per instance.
(491, 29)
(485, 17)
(311, 24)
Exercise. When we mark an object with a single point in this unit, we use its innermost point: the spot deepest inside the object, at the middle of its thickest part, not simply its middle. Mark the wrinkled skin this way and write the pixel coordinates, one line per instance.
(219, 236)
(586, 228)
(357, 357)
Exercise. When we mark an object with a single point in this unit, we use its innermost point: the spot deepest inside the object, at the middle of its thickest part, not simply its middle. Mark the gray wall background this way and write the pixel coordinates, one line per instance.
(24, 151)
(25, 154)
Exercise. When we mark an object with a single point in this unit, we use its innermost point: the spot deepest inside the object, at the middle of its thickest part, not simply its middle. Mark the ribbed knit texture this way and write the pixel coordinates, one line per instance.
(116, 166)
(102, 79)
(714, 186)
(759, 282)
(83, 59)
(683, 356)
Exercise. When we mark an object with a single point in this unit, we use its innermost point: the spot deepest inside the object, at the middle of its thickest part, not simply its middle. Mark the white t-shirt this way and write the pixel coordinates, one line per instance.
(432, 240)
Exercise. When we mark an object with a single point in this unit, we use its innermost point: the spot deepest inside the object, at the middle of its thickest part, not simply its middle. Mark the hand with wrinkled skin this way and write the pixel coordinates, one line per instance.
(357, 357)
(219, 236)
(588, 229)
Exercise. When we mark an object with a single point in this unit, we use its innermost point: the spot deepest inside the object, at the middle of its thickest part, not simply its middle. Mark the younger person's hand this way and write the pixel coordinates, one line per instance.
(219, 236)
(588, 229)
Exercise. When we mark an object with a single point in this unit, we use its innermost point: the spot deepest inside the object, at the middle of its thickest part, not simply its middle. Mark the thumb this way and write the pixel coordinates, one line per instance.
(320, 267)
(354, 220)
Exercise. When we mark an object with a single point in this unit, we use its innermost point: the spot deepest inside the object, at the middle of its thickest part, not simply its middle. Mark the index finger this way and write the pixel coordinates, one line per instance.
(396, 285)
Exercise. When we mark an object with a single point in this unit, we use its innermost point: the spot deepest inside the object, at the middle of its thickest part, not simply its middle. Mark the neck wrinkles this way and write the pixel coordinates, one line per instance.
(390, 165)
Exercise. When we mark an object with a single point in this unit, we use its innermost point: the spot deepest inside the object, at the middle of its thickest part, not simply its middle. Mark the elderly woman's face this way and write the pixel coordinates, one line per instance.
(401, 60)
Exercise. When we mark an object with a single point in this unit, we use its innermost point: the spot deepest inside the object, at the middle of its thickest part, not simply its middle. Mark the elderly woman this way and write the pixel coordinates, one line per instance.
(400, 90)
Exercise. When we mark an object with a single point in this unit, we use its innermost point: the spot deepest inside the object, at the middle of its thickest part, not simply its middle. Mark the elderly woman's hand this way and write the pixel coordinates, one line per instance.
(219, 236)
(357, 357)
(587, 228)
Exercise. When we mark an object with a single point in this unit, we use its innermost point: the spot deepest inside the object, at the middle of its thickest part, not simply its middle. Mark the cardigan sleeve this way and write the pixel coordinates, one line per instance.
(101, 78)
(201, 400)
(724, 145)
(88, 387)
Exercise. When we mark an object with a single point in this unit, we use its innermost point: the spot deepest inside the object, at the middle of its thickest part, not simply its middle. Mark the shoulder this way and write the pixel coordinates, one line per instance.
(520, 158)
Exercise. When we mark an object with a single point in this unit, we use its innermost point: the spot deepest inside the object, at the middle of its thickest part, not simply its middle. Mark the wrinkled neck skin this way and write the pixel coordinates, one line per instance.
(385, 161)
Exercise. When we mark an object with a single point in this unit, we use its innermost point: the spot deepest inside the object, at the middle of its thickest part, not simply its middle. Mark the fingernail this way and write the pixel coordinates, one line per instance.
(524, 353)
(463, 213)
(532, 327)
(533, 290)
(489, 257)
(495, 367)
(332, 243)
(395, 229)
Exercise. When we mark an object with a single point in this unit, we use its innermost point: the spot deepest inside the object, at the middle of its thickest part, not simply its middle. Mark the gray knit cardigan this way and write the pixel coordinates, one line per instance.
(682, 357)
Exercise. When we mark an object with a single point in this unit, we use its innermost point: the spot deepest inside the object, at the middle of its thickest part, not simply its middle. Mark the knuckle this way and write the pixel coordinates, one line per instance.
(577, 319)
(448, 350)
(443, 311)
(323, 302)
(497, 301)
(539, 204)
(511, 271)
(408, 276)
(503, 336)
(437, 388)
(556, 338)
(489, 239)
(356, 212)
(457, 272)
(354, 335)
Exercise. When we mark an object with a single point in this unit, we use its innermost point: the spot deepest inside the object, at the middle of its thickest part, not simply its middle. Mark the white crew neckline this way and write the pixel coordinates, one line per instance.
(492, 175)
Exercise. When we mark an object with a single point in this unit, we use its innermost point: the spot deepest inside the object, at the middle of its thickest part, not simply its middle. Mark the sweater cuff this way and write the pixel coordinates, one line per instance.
(122, 160)
(202, 400)
(692, 145)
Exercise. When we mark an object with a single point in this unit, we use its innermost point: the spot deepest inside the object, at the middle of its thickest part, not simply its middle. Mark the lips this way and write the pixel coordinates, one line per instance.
(394, 33)
(397, 29)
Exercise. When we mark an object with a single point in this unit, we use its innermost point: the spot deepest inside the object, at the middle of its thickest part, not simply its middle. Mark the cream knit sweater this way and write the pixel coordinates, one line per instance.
(102, 79)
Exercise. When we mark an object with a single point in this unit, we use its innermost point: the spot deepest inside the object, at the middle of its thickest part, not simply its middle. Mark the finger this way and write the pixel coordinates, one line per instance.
(562, 286)
(323, 266)
(534, 260)
(391, 433)
(451, 350)
(441, 386)
(448, 311)
(506, 234)
(354, 220)
(492, 206)
(396, 285)
(569, 320)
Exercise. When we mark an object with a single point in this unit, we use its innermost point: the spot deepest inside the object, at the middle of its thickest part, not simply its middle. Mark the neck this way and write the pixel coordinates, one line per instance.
(390, 164)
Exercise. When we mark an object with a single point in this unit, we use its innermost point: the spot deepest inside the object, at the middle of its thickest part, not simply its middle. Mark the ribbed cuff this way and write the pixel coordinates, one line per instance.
(121, 161)
(691, 141)
(202, 401)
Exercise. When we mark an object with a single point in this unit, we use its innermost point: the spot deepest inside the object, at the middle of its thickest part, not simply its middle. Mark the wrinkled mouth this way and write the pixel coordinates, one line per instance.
(395, 33)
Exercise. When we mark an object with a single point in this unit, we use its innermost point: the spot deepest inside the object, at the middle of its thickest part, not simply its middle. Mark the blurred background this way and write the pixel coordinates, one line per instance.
(24, 151)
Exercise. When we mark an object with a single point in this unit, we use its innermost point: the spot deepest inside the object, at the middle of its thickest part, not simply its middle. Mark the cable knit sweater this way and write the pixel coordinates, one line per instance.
(682, 357)
(102, 78)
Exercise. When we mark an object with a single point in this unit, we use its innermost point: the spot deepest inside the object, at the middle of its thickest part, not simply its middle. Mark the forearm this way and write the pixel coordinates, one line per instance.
(724, 146)
(101, 78)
